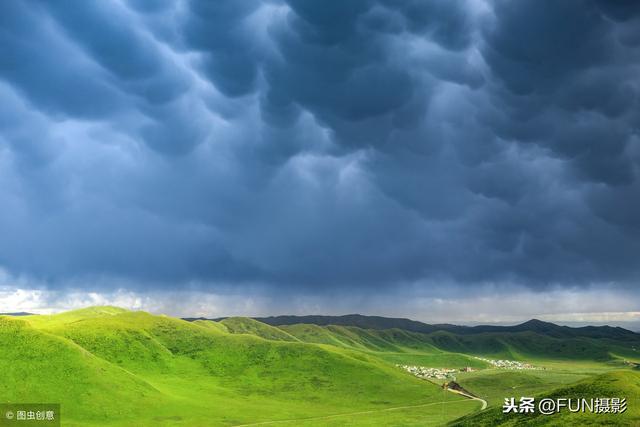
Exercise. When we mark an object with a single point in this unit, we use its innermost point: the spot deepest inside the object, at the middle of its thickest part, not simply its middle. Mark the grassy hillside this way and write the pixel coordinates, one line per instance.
(40, 367)
(357, 320)
(74, 315)
(385, 323)
(246, 325)
(362, 339)
(520, 345)
(114, 367)
(210, 324)
(495, 385)
(612, 384)
(423, 415)
(394, 345)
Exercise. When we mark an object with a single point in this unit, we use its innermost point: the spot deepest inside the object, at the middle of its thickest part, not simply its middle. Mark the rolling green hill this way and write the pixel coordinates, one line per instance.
(519, 345)
(211, 324)
(620, 384)
(41, 367)
(425, 344)
(495, 385)
(357, 320)
(114, 367)
(363, 339)
(569, 355)
(393, 345)
(383, 323)
(246, 325)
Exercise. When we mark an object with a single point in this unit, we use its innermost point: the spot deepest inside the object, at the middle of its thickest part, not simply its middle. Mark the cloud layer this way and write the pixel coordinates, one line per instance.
(320, 147)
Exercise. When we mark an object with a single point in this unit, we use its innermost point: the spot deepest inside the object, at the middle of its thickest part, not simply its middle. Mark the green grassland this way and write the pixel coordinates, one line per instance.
(393, 345)
(210, 324)
(523, 345)
(621, 384)
(244, 325)
(494, 385)
(429, 414)
(113, 367)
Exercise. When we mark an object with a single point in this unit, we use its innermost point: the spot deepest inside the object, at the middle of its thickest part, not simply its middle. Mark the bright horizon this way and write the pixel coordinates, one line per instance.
(627, 320)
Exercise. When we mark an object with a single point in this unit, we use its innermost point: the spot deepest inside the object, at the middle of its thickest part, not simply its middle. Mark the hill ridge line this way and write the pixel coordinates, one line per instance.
(384, 323)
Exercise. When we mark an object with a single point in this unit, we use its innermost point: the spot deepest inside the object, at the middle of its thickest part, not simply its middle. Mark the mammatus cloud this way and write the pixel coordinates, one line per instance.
(320, 149)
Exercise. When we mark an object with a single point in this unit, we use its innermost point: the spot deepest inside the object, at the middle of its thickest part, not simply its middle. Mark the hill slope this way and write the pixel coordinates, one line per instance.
(211, 324)
(143, 370)
(518, 345)
(109, 366)
(358, 338)
(613, 384)
(379, 323)
(48, 368)
(246, 325)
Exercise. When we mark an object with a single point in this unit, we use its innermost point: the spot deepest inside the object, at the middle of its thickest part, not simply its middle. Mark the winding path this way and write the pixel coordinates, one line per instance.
(484, 402)
(374, 411)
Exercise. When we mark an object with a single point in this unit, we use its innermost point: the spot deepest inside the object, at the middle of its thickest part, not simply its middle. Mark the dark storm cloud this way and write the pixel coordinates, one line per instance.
(220, 32)
(565, 70)
(49, 76)
(320, 146)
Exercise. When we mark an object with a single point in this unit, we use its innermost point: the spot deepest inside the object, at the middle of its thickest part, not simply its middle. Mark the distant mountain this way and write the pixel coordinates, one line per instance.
(384, 323)
(19, 313)
(381, 323)
(532, 339)
(365, 322)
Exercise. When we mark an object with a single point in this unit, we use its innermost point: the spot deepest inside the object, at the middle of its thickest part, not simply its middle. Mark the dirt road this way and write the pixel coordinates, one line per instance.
(484, 402)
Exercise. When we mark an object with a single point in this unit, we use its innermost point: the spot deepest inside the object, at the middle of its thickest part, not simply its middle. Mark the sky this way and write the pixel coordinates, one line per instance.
(459, 160)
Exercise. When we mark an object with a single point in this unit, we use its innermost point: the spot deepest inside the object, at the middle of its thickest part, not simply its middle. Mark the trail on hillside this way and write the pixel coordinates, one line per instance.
(484, 402)
(326, 417)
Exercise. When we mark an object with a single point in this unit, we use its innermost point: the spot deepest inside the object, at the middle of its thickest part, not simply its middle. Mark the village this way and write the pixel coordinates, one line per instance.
(436, 373)
(507, 364)
(449, 374)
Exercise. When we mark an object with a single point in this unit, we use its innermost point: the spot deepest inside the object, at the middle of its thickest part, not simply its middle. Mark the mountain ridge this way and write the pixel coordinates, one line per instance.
(17, 314)
(383, 323)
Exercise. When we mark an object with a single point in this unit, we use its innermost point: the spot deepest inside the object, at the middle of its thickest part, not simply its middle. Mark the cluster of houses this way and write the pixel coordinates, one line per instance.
(507, 364)
(437, 373)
